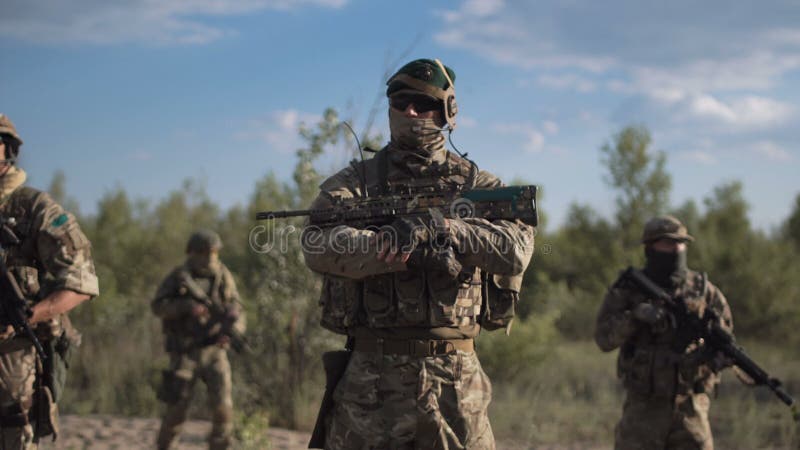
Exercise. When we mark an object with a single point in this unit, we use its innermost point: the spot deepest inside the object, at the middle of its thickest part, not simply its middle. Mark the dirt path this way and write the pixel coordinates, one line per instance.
(122, 433)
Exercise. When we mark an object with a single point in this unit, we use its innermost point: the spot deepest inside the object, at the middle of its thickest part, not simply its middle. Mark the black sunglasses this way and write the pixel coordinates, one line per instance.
(421, 103)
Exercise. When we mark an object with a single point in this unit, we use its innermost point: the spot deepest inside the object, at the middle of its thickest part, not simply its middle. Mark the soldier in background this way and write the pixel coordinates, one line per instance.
(45, 251)
(411, 309)
(200, 310)
(668, 388)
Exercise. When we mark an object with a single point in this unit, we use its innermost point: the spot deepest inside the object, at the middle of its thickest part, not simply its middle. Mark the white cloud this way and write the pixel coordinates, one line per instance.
(550, 127)
(466, 121)
(568, 81)
(162, 22)
(141, 155)
(698, 157)
(696, 64)
(533, 138)
(772, 151)
(279, 130)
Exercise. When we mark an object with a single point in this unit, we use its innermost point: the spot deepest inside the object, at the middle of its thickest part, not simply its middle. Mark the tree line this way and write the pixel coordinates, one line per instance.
(137, 241)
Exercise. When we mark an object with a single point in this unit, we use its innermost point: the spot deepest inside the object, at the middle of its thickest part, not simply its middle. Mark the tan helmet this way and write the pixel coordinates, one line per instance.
(7, 127)
(667, 227)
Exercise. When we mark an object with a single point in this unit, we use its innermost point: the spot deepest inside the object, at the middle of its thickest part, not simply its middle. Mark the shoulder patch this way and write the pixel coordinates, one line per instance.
(60, 220)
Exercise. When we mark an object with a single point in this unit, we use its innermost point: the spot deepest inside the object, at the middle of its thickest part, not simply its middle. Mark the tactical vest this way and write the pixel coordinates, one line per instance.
(21, 256)
(186, 333)
(408, 298)
(649, 364)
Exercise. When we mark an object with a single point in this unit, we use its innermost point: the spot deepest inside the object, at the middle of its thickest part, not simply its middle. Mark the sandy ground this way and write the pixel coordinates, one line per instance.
(121, 433)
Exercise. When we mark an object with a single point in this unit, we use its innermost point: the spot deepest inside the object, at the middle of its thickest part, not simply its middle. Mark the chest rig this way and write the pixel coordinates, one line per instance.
(16, 237)
(408, 298)
(649, 363)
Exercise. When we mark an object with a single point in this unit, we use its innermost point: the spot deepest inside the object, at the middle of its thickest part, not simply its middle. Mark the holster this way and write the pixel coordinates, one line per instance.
(44, 414)
(335, 364)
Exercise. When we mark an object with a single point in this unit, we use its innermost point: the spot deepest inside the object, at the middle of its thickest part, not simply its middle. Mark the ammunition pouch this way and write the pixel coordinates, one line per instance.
(175, 386)
(340, 301)
(28, 279)
(500, 298)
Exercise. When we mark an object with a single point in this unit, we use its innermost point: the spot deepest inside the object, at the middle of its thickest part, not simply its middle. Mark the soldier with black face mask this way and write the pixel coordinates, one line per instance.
(668, 381)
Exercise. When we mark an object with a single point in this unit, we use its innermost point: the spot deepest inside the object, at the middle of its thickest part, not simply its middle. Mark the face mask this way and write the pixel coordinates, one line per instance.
(12, 179)
(203, 264)
(418, 136)
(666, 268)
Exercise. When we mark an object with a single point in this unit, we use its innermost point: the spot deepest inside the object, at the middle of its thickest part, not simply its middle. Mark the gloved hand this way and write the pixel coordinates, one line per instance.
(441, 260)
(404, 234)
(655, 316)
(649, 314)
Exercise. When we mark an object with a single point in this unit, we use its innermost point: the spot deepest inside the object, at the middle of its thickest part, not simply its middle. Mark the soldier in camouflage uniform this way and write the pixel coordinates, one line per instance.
(50, 257)
(668, 388)
(413, 380)
(199, 307)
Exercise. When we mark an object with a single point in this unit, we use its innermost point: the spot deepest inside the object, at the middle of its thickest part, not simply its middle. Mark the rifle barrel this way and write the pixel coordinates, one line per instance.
(265, 215)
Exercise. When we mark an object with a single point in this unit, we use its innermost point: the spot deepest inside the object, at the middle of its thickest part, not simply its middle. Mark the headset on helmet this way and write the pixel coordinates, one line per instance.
(447, 95)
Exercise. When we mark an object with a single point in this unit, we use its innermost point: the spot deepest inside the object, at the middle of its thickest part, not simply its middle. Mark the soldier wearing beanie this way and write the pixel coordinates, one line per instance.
(47, 255)
(668, 382)
(410, 311)
(200, 311)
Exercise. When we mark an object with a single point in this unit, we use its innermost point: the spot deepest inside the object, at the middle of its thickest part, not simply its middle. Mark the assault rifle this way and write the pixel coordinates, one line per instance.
(694, 327)
(507, 202)
(219, 314)
(14, 309)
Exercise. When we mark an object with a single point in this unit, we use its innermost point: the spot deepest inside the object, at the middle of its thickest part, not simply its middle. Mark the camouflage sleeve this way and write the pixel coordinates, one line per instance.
(63, 249)
(615, 323)
(342, 250)
(500, 247)
(168, 303)
(719, 305)
(231, 295)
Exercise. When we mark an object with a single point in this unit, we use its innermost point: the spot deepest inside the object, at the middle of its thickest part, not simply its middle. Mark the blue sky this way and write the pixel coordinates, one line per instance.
(143, 94)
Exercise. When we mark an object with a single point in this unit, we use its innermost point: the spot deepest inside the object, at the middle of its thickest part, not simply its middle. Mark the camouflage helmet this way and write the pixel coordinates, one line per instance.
(7, 129)
(430, 77)
(203, 241)
(667, 227)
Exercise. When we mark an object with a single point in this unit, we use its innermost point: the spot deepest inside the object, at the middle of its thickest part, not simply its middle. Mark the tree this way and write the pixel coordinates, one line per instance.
(640, 178)
(792, 225)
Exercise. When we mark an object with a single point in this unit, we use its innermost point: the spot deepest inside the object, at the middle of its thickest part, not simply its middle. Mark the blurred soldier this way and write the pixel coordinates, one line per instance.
(411, 310)
(45, 251)
(667, 380)
(200, 311)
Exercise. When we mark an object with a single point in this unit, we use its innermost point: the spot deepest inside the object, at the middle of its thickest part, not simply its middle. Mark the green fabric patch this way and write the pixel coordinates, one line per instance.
(60, 220)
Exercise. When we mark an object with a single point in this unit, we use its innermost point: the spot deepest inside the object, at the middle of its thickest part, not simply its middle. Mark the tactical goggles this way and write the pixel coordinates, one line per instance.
(422, 103)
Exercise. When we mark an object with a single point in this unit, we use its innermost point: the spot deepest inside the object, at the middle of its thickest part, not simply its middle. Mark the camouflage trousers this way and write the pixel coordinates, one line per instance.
(405, 402)
(664, 423)
(210, 365)
(17, 377)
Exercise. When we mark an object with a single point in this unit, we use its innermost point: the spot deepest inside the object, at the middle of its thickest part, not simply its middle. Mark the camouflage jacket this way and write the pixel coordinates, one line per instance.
(52, 254)
(179, 293)
(649, 362)
(364, 296)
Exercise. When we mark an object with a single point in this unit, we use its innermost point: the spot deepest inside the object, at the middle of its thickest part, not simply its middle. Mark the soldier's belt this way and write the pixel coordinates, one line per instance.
(413, 347)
